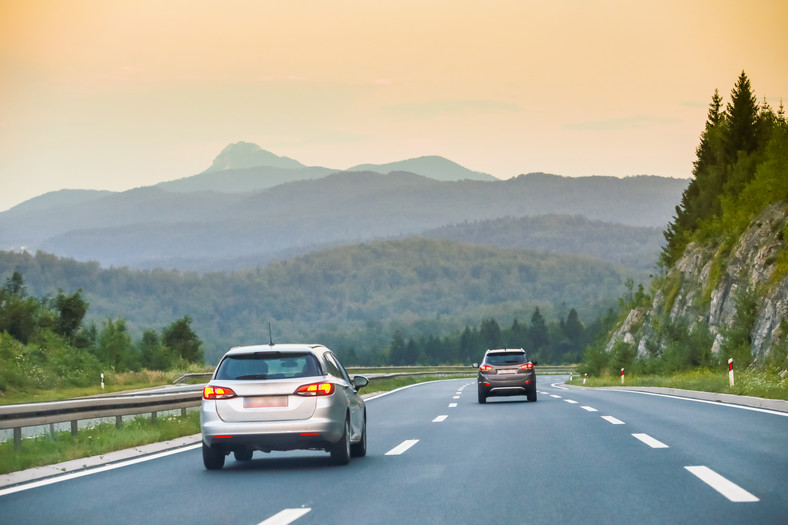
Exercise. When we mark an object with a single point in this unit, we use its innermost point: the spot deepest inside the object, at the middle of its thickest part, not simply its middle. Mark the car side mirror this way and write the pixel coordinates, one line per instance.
(360, 382)
(475, 365)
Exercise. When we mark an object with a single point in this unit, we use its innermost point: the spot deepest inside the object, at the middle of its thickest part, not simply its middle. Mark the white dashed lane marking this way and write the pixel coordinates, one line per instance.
(286, 516)
(402, 447)
(589, 409)
(722, 485)
(650, 441)
(440, 419)
(611, 419)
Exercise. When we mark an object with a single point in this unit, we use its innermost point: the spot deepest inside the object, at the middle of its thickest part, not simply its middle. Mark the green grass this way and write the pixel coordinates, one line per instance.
(758, 383)
(100, 439)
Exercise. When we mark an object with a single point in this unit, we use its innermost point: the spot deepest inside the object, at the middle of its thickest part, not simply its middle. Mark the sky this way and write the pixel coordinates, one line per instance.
(119, 94)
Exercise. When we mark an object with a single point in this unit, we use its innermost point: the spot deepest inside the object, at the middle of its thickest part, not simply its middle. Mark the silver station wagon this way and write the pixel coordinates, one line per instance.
(282, 397)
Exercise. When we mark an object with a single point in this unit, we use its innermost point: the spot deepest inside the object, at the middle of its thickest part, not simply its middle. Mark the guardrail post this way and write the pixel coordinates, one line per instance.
(154, 417)
(118, 421)
(17, 438)
(74, 427)
(183, 412)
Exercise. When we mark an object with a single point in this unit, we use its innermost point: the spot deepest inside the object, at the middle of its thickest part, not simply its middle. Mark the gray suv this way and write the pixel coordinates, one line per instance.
(282, 397)
(506, 372)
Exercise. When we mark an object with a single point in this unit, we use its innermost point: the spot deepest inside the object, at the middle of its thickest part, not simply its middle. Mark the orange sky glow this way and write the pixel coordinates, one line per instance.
(115, 95)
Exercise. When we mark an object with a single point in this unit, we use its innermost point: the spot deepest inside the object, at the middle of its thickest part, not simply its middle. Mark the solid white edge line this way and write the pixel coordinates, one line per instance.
(650, 441)
(722, 485)
(88, 472)
(715, 403)
(402, 447)
(285, 516)
(613, 420)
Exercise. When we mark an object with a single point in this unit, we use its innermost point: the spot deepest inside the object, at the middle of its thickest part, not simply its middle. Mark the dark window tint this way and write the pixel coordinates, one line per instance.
(262, 366)
(514, 358)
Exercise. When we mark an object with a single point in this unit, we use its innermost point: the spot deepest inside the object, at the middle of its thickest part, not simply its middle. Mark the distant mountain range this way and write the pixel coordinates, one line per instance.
(241, 213)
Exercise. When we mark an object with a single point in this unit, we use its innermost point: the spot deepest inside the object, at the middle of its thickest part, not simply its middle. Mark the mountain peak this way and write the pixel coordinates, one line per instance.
(240, 155)
(431, 166)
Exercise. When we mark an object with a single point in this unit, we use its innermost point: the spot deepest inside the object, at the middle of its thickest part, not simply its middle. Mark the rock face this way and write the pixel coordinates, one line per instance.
(704, 284)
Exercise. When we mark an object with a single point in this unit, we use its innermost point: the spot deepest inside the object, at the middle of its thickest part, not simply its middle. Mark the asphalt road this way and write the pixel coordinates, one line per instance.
(436, 456)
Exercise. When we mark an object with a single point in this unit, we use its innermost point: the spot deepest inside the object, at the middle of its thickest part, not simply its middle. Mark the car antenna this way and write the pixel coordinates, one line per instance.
(270, 337)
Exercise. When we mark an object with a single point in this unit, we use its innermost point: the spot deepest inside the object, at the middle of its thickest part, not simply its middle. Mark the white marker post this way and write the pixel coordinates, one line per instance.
(102, 381)
(730, 371)
(584, 378)
(622, 376)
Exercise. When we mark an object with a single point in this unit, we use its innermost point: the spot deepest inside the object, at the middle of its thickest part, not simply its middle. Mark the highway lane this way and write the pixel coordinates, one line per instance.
(508, 461)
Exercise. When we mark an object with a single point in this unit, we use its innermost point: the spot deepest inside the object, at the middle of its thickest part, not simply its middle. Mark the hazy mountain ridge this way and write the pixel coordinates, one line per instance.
(149, 226)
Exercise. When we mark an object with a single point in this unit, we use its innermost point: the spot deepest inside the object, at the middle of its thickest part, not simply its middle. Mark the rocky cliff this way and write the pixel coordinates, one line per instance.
(725, 286)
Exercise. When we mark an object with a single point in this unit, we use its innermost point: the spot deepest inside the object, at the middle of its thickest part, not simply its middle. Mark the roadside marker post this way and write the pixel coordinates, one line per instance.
(730, 371)
(622, 376)
(102, 381)
(585, 377)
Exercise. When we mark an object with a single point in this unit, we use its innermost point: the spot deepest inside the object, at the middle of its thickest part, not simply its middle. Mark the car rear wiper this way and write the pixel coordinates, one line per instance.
(253, 376)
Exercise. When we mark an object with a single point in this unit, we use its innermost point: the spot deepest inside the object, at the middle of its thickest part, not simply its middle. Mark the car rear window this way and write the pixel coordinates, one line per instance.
(268, 366)
(513, 358)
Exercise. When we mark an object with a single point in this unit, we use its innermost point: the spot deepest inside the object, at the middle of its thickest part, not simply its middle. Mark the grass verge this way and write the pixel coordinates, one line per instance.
(754, 383)
(100, 439)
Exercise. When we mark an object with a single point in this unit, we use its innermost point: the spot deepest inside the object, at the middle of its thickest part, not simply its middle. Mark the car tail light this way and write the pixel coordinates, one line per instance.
(217, 392)
(527, 366)
(485, 368)
(316, 389)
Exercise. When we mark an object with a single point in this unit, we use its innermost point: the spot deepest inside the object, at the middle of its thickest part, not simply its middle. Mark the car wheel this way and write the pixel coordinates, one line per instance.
(359, 450)
(243, 455)
(212, 458)
(340, 452)
(532, 395)
(482, 398)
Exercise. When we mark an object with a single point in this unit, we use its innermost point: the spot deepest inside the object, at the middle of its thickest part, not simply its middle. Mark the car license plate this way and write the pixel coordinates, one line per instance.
(265, 402)
(507, 371)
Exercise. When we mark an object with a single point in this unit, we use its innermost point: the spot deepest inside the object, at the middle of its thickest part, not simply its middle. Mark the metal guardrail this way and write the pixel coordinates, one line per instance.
(34, 414)
(19, 416)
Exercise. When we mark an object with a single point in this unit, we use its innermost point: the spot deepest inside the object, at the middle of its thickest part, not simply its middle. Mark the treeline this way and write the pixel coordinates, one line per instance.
(741, 167)
(560, 342)
(45, 341)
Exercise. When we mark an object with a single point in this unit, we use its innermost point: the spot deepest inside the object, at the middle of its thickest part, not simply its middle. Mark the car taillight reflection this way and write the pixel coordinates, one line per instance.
(485, 368)
(217, 392)
(316, 389)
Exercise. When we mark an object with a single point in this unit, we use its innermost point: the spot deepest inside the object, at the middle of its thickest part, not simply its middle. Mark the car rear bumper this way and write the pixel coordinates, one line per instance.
(313, 433)
(506, 385)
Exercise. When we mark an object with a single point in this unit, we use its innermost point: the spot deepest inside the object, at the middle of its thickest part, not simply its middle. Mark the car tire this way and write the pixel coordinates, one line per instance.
(243, 455)
(340, 452)
(212, 459)
(359, 450)
(482, 398)
(532, 395)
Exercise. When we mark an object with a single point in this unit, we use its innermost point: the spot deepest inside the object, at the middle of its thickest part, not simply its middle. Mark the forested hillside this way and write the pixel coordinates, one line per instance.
(354, 297)
(631, 246)
(723, 287)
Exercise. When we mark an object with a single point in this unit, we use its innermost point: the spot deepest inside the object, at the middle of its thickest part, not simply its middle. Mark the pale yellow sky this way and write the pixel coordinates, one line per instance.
(117, 94)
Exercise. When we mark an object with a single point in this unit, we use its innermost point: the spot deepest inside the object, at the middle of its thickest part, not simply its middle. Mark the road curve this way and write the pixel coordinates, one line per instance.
(437, 456)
